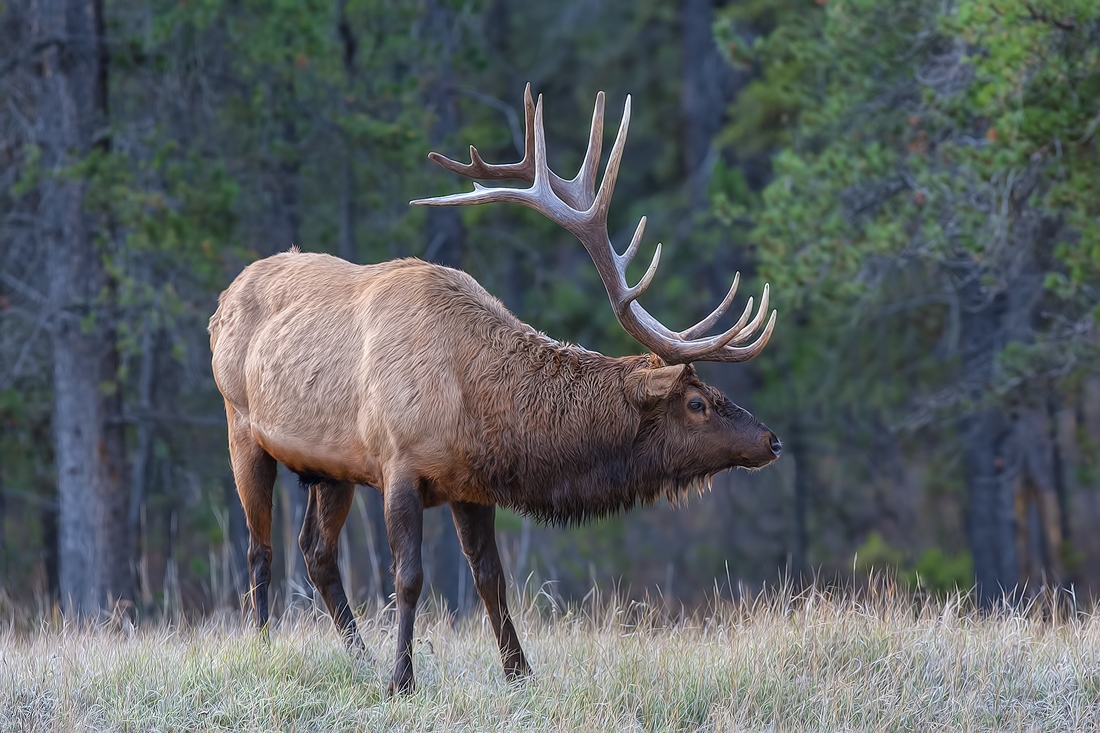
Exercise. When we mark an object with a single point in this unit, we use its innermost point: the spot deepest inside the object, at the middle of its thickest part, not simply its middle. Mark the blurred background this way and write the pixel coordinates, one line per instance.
(917, 179)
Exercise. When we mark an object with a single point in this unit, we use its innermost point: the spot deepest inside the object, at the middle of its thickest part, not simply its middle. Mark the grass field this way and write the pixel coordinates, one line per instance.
(778, 663)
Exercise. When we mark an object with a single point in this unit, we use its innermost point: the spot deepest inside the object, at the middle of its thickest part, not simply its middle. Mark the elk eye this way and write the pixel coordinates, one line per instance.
(696, 405)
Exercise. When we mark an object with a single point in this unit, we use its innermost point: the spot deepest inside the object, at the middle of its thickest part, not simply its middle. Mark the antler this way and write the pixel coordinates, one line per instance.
(574, 205)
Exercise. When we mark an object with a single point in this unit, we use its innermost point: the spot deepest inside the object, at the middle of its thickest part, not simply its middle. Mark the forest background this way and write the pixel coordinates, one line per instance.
(916, 180)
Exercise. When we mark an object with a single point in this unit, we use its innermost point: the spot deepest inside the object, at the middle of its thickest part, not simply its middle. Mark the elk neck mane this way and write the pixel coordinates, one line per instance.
(555, 436)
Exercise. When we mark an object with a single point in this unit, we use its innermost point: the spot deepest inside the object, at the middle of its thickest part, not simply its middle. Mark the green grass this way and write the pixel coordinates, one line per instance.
(810, 663)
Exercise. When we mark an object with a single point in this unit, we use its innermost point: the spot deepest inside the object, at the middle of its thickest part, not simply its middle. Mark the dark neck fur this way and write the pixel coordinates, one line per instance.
(561, 442)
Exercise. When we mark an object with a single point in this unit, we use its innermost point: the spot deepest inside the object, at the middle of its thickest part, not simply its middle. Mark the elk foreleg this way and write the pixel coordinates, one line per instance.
(475, 525)
(405, 528)
(326, 510)
(254, 474)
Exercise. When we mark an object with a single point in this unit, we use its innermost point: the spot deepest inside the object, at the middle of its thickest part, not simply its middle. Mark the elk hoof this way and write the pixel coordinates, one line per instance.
(406, 686)
(518, 674)
(356, 648)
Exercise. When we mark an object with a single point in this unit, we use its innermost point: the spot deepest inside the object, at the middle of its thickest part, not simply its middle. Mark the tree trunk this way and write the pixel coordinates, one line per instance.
(445, 233)
(293, 503)
(237, 539)
(112, 487)
(349, 46)
(710, 84)
(1061, 480)
(373, 516)
(803, 485)
(1038, 511)
(51, 545)
(4, 565)
(990, 507)
(1012, 513)
(140, 470)
(72, 111)
(348, 248)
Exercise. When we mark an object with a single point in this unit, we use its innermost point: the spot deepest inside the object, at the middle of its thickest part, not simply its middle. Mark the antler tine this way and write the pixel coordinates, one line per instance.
(542, 168)
(737, 327)
(739, 332)
(636, 241)
(727, 353)
(480, 195)
(528, 123)
(541, 196)
(708, 323)
(744, 353)
(583, 185)
(751, 328)
(577, 192)
(611, 173)
(478, 168)
(716, 348)
(647, 278)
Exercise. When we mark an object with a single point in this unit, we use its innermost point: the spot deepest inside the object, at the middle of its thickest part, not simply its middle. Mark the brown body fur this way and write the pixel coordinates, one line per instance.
(411, 378)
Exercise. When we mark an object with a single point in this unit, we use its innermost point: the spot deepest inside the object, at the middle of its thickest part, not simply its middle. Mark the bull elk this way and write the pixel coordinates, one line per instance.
(411, 378)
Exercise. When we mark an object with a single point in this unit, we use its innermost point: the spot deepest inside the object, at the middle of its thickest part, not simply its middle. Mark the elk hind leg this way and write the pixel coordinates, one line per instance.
(475, 525)
(254, 474)
(405, 528)
(326, 510)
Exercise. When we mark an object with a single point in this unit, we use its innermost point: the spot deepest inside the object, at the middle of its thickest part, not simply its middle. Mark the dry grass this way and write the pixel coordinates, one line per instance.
(779, 663)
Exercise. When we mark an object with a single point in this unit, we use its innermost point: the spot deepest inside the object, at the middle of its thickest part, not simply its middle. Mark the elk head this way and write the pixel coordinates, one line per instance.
(693, 421)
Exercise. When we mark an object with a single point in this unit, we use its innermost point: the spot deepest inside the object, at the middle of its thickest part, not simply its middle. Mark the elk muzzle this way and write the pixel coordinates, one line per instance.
(762, 449)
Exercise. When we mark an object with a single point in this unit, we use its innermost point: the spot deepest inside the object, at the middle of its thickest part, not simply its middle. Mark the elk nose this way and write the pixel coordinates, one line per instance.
(777, 446)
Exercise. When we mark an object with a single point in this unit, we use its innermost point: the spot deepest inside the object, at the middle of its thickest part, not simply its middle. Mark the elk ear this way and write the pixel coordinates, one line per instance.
(646, 386)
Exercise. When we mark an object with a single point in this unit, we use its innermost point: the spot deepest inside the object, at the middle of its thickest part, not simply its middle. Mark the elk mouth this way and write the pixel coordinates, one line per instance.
(755, 465)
